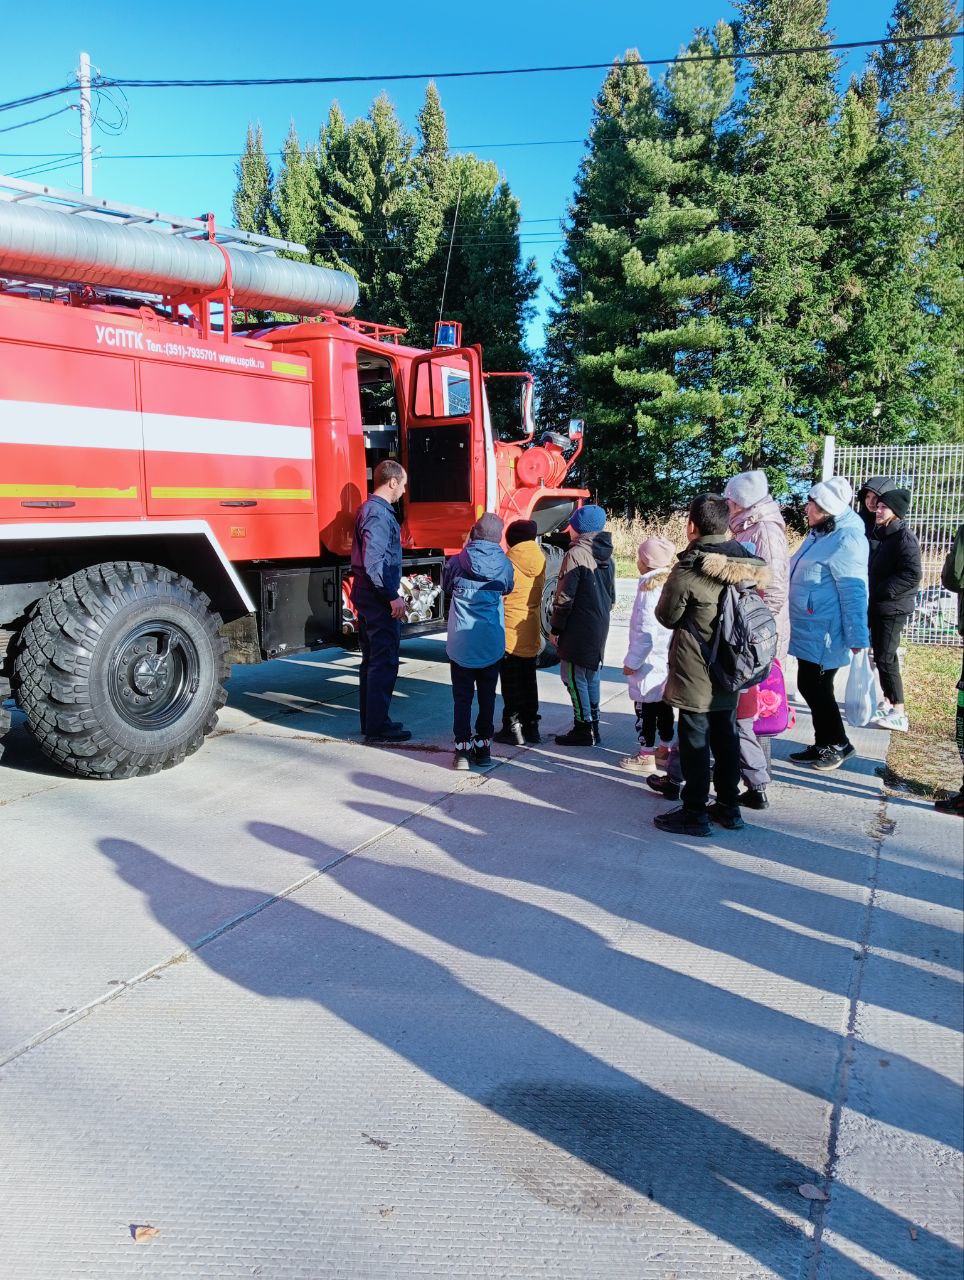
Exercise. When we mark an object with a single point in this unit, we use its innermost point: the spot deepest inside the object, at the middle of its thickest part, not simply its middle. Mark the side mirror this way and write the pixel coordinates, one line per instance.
(575, 428)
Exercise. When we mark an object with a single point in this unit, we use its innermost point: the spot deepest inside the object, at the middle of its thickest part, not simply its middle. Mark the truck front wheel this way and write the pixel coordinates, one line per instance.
(120, 670)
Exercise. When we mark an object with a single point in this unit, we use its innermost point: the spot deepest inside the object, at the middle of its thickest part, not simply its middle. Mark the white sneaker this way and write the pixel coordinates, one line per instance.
(895, 721)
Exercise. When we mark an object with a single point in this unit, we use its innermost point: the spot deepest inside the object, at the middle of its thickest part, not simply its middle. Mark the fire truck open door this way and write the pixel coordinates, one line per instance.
(444, 451)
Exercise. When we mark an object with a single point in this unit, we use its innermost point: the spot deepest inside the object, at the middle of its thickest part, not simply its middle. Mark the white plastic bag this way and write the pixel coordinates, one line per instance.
(860, 700)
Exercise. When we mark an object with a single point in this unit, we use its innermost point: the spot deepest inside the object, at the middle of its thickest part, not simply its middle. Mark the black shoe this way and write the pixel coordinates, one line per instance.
(805, 757)
(845, 750)
(725, 815)
(481, 754)
(580, 735)
(511, 735)
(754, 798)
(531, 734)
(393, 734)
(594, 726)
(829, 758)
(684, 822)
(951, 804)
(461, 760)
(666, 787)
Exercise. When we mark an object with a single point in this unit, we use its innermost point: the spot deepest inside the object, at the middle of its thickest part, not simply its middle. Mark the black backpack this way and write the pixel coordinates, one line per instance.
(743, 642)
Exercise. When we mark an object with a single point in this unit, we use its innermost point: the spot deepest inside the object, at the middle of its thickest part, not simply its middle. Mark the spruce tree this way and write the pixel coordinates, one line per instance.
(779, 308)
(640, 281)
(295, 205)
(252, 195)
(923, 142)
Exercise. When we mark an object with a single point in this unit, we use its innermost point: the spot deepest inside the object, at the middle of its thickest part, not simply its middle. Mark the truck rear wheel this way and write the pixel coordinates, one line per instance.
(120, 670)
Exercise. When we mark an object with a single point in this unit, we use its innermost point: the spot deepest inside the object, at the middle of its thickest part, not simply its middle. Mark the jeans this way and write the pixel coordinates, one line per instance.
(582, 685)
(520, 690)
(754, 757)
(380, 637)
(654, 718)
(816, 689)
(466, 683)
(885, 637)
(708, 744)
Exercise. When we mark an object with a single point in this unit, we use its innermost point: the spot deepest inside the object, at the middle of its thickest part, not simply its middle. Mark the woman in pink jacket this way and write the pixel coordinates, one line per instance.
(756, 521)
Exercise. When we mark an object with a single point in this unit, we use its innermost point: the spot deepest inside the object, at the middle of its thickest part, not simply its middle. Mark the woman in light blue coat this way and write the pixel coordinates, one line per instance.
(828, 614)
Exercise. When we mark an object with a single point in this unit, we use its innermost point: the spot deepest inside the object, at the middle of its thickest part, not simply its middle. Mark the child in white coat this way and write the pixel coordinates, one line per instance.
(647, 660)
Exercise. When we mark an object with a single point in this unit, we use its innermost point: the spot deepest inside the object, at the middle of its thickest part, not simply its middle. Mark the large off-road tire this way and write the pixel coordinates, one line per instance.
(120, 670)
(4, 711)
(554, 556)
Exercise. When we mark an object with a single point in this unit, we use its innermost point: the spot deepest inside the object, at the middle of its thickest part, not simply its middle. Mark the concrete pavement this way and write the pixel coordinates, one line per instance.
(315, 1009)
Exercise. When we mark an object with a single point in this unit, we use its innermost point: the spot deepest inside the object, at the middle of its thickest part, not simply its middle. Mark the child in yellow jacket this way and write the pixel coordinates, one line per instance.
(523, 636)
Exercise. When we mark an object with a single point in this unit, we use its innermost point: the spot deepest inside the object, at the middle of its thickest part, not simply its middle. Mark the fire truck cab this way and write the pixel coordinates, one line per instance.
(176, 494)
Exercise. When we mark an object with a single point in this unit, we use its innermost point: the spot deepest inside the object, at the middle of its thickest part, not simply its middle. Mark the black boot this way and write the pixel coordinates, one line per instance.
(510, 733)
(594, 726)
(580, 735)
(755, 798)
(531, 734)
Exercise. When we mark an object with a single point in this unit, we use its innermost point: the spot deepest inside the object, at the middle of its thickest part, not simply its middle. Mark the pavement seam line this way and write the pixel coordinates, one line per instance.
(884, 828)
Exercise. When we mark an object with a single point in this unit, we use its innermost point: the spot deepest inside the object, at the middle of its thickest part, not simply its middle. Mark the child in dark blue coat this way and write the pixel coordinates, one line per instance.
(477, 579)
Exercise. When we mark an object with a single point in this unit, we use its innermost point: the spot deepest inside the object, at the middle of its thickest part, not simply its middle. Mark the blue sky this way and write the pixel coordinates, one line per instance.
(247, 39)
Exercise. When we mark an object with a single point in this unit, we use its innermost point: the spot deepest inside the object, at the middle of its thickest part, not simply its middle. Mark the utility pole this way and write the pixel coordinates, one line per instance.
(83, 76)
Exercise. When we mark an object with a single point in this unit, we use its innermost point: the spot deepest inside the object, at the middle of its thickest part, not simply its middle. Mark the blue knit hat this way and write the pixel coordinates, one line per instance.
(589, 519)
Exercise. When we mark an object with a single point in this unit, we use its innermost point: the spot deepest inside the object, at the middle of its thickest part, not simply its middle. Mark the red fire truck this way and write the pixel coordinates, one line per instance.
(169, 481)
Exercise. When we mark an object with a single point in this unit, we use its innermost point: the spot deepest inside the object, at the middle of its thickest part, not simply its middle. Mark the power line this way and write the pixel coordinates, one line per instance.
(36, 120)
(105, 82)
(237, 155)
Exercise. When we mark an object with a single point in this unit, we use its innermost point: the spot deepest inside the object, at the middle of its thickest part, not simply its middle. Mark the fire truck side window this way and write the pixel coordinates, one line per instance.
(379, 410)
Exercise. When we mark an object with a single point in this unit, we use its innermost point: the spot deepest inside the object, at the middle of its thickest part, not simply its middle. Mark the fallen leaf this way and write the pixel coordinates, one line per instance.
(810, 1192)
(144, 1232)
(913, 1232)
(380, 1143)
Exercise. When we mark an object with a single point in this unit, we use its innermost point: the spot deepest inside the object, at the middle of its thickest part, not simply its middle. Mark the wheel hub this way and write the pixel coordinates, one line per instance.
(154, 675)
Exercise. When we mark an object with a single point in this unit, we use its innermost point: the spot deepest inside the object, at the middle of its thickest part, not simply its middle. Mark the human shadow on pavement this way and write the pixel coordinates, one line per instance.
(753, 917)
(562, 951)
(541, 1092)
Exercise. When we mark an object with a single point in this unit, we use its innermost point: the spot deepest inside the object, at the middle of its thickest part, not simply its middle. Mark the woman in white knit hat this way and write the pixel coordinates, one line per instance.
(828, 614)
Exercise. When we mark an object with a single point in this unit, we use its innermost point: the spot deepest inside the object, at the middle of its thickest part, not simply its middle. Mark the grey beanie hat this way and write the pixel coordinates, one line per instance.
(488, 528)
(747, 488)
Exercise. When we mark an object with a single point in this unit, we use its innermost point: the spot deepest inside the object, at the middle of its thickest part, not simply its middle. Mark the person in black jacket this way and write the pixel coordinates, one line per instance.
(585, 595)
(868, 496)
(894, 577)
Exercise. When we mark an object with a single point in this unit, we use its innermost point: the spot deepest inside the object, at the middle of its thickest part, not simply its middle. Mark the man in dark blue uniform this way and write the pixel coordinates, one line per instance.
(376, 563)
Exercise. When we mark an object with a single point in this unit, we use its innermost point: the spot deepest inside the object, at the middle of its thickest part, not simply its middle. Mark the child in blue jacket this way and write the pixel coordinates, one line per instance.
(477, 579)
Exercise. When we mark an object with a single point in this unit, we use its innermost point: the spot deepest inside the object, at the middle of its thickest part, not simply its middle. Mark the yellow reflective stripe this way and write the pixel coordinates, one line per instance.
(278, 495)
(62, 491)
(284, 366)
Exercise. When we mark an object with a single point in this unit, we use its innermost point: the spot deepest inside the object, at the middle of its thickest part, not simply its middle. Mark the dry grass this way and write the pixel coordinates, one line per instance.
(628, 534)
(925, 760)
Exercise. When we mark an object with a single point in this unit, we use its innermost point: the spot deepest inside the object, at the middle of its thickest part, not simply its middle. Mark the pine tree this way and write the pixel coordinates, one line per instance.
(252, 195)
(779, 308)
(429, 201)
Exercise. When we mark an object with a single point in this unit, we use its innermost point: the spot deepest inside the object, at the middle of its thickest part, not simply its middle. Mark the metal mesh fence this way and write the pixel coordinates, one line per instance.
(934, 473)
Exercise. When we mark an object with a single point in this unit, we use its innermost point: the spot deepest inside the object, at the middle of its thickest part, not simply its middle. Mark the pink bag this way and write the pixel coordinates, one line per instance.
(776, 715)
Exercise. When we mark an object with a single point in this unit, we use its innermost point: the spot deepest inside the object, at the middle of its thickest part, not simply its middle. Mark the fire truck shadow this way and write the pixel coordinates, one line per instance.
(553, 1120)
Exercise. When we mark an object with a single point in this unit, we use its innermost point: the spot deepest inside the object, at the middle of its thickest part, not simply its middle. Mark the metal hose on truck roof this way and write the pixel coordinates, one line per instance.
(46, 244)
